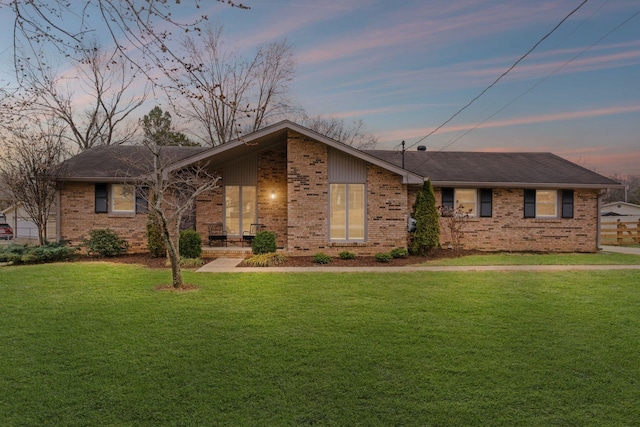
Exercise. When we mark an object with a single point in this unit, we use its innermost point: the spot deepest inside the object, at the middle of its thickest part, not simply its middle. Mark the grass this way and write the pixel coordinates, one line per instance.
(600, 258)
(95, 344)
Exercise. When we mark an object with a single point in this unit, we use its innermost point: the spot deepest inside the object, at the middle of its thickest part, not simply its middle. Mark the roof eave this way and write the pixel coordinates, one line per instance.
(524, 185)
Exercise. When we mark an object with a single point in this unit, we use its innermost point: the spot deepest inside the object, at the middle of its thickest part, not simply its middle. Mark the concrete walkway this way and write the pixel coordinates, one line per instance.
(230, 265)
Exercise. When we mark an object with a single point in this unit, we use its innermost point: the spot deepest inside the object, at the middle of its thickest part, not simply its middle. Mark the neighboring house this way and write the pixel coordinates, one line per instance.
(24, 227)
(318, 194)
(620, 209)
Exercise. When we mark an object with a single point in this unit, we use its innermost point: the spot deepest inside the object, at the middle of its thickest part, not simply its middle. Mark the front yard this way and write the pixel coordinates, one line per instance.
(95, 344)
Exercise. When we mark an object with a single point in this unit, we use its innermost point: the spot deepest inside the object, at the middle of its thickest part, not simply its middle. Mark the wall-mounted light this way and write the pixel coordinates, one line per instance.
(273, 195)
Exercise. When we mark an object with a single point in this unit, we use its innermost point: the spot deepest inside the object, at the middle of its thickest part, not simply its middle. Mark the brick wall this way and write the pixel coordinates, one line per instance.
(78, 217)
(272, 173)
(209, 209)
(508, 230)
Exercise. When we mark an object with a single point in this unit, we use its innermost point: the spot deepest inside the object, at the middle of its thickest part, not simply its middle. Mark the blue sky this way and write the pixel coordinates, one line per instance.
(406, 67)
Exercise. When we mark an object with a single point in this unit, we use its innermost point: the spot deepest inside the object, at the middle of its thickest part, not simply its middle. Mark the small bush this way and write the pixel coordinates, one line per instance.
(25, 254)
(399, 253)
(265, 260)
(347, 255)
(155, 243)
(187, 262)
(105, 242)
(321, 258)
(382, 257)
(264, 243)
(190, 244)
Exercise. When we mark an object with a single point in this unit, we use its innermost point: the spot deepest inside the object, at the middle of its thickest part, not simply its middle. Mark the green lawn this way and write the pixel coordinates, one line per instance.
(94, 344)
(519, 258)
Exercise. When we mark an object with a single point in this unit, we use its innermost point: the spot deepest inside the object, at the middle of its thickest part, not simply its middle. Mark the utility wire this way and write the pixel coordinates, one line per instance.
(500, 77)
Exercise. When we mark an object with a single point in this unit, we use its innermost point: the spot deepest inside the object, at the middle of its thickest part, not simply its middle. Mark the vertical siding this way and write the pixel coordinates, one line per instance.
(346, 169)
(241, 172)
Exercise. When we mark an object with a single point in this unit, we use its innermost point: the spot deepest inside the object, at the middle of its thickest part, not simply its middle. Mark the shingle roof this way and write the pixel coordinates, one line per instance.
(455, 167)
(117, 162)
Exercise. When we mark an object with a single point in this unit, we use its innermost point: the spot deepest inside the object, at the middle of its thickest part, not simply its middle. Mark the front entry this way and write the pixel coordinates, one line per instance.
(241, 208)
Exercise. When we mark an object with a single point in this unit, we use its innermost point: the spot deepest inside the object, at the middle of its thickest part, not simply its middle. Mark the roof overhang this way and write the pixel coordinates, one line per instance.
(277, 133)
(550, 185)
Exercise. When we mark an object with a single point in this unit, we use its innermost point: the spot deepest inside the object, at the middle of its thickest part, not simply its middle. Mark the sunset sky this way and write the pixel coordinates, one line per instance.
(406, 67)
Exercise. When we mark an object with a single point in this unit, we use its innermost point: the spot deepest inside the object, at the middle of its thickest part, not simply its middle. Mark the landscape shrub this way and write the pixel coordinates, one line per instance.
(265, 260)
(49, 252)
(347, 255)
(105, 242)
(399, 253)
(155, 242)
(426, 237)
(382, 257)
(321, 258)
(264, 242)
(190, 244)
(187, 262)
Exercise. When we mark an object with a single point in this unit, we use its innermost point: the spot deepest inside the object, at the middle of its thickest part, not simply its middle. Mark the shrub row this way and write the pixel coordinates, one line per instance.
(26, 254)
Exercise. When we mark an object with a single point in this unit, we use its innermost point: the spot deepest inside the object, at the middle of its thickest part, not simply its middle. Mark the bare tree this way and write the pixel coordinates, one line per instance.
(171, 195)
(354, 134)
(140, 31)
(31, 155)
(95, 99)
(631, 192)
(228, 94)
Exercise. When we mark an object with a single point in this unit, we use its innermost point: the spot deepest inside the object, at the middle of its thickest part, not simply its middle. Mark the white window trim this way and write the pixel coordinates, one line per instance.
(347, 239)
(555, 205)
(112, 208)
(475, 201)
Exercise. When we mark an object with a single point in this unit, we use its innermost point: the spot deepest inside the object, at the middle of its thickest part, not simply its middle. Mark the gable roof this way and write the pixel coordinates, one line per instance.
(478, 169)
(444, 168)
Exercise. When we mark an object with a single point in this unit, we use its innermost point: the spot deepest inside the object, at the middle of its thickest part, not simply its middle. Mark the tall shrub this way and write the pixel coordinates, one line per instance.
(105, 242)
(155, 244)
(264, 243)
(426, 238)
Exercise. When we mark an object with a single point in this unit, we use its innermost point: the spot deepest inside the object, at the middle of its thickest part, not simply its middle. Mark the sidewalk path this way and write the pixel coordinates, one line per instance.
(228, 265)
(621, 249)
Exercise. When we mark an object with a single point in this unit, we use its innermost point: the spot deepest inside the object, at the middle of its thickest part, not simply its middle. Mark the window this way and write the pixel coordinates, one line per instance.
(347, 211)
(465, 201)
(241, 208)
(544, 203)
(123, 198)
(120, 198)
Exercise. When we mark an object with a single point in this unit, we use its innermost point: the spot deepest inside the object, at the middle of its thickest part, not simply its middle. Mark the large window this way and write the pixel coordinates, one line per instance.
(240, 208)
(544, 203)
(464, 201)
(347, 211)
(123, 198)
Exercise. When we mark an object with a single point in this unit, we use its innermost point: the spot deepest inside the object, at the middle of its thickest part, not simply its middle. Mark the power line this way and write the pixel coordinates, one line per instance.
(501, 76)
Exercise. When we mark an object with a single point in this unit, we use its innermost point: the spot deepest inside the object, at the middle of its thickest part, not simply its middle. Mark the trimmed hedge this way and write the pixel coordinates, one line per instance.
(105, 242)
(190, 244)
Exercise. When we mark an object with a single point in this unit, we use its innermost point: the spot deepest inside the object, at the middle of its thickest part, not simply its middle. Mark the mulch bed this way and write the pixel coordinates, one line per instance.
(293, 261)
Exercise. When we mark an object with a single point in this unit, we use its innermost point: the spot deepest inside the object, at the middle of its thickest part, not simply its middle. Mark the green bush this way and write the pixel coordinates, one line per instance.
(265, 260)
(399, 253)
(382, 257)
(25, 254)
(321, 258)
(155, 242)
(105, 242)
(264, 243)
(347, 255)
(187, 262)
(426, 238)
(190, 244)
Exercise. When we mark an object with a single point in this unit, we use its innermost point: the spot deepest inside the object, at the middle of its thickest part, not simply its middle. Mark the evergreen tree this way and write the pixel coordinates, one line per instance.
(427, 235)
(159, 130)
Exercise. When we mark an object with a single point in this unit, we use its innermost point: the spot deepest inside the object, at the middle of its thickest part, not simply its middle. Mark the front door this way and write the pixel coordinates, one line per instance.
(241, 208)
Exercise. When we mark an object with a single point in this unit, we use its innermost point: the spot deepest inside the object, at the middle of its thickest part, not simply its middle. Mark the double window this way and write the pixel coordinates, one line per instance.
(240, 208)
(468, 201)
(548, 203)
(120, 199)
(347, 212)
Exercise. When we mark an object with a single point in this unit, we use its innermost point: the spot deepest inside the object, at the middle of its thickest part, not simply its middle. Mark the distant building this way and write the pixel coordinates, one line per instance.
(23, 227)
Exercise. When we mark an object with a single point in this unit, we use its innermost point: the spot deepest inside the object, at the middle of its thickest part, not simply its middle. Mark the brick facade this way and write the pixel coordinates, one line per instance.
(295, 172)
(508, 230)
(78, 217)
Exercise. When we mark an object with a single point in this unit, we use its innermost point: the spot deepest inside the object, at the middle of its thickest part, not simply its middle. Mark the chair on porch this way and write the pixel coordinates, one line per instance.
(248, 236)
(217, 233)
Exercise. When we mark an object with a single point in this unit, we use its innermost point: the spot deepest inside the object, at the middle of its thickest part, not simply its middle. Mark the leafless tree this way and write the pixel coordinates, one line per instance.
(30, 156)
(228, 94)
(172, 193)
(631, 192)
(354, 134)
(141, 31)
(95, 99)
